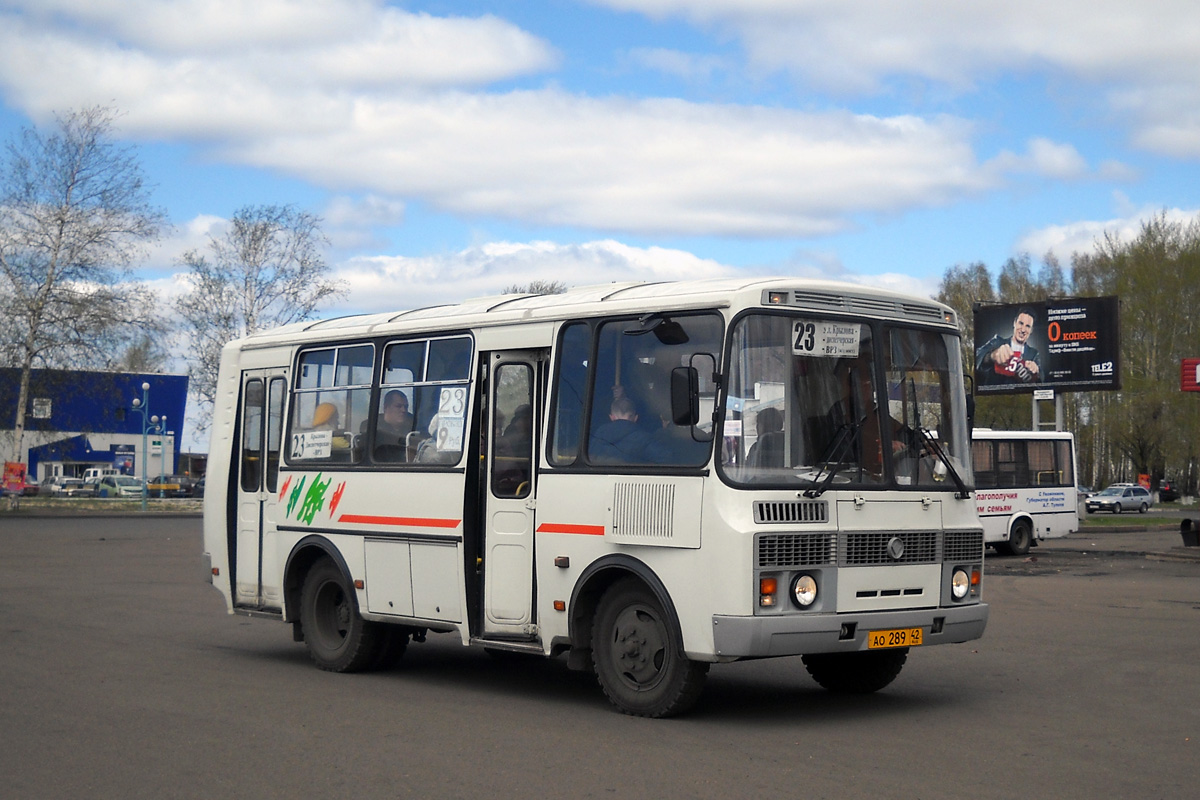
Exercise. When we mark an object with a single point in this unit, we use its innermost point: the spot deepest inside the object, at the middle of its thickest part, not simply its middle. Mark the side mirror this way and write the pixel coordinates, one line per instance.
(685, 396)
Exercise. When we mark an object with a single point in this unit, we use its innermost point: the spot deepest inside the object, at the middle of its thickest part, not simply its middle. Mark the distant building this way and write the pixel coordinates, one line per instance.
(75, 420)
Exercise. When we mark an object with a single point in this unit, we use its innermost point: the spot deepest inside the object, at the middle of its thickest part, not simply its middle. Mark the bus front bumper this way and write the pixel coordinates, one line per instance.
(797, 634)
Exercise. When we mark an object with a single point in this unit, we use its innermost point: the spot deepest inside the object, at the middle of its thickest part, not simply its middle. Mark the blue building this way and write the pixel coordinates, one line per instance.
(75, 420)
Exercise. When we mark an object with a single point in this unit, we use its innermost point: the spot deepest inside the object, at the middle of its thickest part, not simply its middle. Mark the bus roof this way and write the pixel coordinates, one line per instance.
(615, 298)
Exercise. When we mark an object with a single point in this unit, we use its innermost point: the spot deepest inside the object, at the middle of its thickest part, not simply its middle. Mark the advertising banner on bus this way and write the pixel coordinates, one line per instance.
(1063, 344)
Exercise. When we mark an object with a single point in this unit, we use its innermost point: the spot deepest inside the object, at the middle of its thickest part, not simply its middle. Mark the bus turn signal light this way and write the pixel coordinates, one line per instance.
(766, 591)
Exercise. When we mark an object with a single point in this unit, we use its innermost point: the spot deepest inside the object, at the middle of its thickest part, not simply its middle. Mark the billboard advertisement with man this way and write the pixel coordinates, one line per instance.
(1066, 344)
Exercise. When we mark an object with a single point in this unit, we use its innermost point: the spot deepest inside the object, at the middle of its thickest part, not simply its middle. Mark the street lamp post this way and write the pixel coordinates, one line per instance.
(150, 424)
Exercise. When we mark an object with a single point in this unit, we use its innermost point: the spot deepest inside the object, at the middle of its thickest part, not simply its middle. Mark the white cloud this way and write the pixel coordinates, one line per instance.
(384, 283)
(195, 66)
(1141, 57)
(546, 157)
(1052, 160)
(647, 166)
(688, 66)
(1082, 236)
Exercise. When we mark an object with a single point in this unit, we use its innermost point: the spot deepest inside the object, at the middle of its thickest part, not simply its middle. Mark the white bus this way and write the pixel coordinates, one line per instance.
(1025, 487)
(647, 478)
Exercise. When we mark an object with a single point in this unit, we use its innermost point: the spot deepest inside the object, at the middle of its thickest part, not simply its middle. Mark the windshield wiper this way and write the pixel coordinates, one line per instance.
(932, 445)
(838, 447)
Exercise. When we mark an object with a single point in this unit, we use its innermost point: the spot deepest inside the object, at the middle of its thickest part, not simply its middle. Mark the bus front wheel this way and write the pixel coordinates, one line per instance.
(855, 673)
(638, 658)
(338, 639)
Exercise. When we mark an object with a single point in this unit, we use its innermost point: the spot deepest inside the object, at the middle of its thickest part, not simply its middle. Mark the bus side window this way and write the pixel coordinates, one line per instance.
(275, 391)
(252, 420)
(570, 388)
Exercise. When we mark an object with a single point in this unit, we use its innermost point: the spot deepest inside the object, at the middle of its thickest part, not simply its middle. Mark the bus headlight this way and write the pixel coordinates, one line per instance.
(960, 584)
(804, 590)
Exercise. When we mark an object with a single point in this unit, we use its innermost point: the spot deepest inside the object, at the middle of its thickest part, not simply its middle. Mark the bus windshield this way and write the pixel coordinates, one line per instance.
(807, 405)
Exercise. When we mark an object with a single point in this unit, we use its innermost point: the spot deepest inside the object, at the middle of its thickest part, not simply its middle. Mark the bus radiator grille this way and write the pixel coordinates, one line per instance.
(964, 546)
(790, 512)
(871, 548)
(796, 549)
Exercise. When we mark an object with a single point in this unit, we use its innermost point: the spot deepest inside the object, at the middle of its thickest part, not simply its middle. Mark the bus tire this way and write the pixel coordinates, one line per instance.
(637, 655)
(392, 648)
(855, 673)
(338, 639)
(1019, 538)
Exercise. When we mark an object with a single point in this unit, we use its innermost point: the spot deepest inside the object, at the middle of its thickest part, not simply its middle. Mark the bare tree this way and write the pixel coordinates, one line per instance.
(75, 215)
(266, 270)
(537, 287)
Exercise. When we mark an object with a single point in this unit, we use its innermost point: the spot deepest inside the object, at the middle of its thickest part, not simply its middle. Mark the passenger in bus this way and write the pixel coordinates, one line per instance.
(620, 440)
(326, 418)
(767, 451)
(394, 424)
(518, 433)
(429, 453)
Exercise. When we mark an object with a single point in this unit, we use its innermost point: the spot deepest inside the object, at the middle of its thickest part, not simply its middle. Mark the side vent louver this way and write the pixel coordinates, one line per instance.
(790, 512)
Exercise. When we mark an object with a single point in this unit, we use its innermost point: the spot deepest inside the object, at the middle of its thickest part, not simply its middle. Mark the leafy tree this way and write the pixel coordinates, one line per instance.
(75, 215)
(1149, 426)
(265, 270)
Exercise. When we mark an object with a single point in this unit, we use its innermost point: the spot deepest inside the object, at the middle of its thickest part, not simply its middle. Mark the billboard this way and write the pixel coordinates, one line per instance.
(1189, 377)
(1066, 344)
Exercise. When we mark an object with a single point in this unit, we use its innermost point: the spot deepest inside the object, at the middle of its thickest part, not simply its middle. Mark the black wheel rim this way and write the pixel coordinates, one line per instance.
(333, 615)
(640, 647)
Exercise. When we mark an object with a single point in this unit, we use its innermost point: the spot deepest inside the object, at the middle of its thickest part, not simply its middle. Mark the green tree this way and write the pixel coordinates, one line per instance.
(75, 215)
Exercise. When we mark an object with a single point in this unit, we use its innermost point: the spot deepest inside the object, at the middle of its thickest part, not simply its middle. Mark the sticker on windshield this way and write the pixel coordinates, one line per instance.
(825, 338)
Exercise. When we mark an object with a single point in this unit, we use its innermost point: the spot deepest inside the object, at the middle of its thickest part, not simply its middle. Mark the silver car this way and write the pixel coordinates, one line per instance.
(1120, 497)
(120, 486)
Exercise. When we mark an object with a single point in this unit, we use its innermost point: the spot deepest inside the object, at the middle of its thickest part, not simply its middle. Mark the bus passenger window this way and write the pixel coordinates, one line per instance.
(331, 402)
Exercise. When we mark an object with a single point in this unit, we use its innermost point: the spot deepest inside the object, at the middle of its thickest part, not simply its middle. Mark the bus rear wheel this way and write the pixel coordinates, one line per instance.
(638, 658)
(338, 639)
(855, 673)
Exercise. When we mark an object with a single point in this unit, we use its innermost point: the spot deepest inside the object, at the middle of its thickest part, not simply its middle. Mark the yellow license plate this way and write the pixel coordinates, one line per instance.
(897, 637)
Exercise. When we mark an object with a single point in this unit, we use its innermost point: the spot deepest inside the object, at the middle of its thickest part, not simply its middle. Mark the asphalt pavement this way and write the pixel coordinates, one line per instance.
(1160, 541)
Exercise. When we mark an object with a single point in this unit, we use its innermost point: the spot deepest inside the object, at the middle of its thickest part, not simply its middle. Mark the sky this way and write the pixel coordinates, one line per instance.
(456, 148)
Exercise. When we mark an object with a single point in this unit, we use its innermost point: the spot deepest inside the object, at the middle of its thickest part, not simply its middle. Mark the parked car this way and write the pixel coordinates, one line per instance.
(31, 488)
(94, 474)
(170, 486)
(198, 490)
(120, 486)
(1120, 497)
(1168, 491)
(63, 486)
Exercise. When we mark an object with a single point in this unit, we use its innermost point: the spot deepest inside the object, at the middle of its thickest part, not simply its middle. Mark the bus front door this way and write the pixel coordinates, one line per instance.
(261, 427)
(511, 475)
